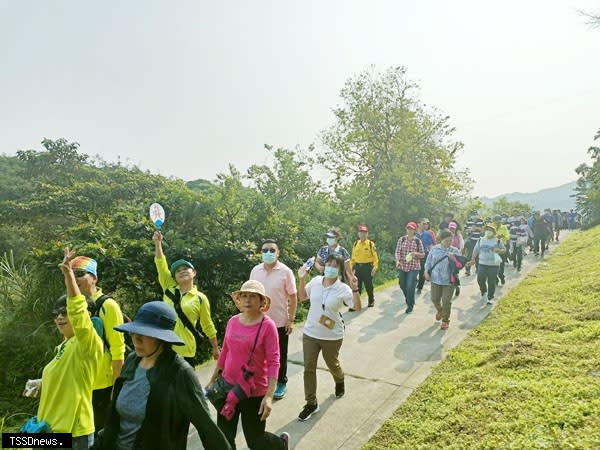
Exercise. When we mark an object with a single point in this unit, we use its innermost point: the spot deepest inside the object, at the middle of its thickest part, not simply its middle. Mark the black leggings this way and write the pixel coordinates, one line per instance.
(486, 278)
(254, 429)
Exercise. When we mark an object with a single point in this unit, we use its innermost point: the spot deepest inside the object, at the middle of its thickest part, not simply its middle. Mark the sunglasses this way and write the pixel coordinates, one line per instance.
(79, 273)
(60, 311)
(269, 250)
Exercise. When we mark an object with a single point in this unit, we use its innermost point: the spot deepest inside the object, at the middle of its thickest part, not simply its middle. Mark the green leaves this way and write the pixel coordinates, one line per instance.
(588, 186)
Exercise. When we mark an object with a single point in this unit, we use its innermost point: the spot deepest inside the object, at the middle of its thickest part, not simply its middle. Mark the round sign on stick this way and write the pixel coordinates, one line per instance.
(157, 215)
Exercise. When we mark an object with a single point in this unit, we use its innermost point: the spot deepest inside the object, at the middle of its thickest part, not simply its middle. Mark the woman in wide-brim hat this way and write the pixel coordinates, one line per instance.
(157, 394)
(486, 255)
(249, 361)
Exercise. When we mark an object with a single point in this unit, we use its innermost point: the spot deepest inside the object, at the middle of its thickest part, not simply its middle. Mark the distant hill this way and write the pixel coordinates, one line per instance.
(555, 198)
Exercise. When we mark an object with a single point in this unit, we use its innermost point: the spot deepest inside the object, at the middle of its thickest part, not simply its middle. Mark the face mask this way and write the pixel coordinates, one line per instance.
(331, 272)
(489, 234)
(269, 257)
(331, 241)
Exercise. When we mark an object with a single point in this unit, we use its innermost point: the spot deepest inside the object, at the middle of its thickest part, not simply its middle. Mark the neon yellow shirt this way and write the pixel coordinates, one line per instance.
(194, 305)
(66, 401)
(111, 317)
(502, 233)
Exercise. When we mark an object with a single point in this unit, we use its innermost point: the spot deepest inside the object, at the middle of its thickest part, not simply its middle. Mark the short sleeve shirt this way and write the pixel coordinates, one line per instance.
(325, 251)
(280, 284)
(326, 301)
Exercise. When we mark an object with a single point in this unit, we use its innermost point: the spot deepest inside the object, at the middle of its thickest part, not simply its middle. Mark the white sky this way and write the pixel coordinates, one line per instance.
(184, 88)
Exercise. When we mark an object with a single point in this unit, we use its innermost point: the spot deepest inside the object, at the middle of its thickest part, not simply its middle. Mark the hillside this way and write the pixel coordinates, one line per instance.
(556, 198)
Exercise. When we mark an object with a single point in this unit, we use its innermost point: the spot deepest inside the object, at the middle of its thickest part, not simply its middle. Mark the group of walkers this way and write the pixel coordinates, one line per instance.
(148, 398)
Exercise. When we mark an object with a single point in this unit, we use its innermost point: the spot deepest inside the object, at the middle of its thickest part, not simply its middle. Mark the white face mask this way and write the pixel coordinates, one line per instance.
(331, 241)
(489, 234)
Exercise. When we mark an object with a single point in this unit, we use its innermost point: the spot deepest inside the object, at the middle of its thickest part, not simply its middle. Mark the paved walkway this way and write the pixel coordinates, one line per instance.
(386, 354)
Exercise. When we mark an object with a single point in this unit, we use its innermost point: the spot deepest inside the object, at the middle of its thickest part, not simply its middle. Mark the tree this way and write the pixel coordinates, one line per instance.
(588, 186)
(503, 205)
(392, 157)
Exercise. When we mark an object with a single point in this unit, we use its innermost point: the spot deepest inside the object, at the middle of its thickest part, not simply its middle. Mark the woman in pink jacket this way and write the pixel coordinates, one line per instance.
(249, 361)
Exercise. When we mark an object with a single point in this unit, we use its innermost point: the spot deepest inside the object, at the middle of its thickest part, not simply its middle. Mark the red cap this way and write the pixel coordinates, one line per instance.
(412, 225)
(363, 227)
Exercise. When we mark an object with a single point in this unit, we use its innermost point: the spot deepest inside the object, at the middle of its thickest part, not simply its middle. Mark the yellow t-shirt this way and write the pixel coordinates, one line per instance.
(195, 306)
(502, 233)
(365, 252)
(67, 380)
(111, 316)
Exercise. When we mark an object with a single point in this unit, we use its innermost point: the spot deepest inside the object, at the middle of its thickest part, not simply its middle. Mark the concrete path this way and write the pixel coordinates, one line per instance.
(386, 354)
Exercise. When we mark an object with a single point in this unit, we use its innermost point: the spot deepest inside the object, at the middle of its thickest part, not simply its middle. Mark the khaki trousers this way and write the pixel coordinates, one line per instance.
(441, 297)
(311, 348)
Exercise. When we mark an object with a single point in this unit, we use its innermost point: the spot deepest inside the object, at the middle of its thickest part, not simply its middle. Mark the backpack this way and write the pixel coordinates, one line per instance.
(99, 326)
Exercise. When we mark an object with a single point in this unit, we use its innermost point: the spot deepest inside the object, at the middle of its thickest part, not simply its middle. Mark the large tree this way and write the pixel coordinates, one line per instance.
(392, 158)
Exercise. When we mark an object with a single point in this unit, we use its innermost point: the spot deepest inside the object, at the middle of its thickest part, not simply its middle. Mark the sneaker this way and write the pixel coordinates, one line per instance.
(280, 391)
(371, 304)
(408, 310)
(503, 280)
(351, 310)
(340, 389)
(418, 292)
(490, 301)
(285, 438)
(308, 411)
(457, 291)
(444, 326)
(438, 316)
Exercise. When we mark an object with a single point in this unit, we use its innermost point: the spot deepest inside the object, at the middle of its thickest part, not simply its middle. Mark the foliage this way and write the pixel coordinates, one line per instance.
(588, 186)
(503, 205)
(527, 377)
(391, 158)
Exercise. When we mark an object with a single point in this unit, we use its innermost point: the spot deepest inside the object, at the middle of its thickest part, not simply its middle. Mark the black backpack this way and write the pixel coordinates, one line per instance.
(126, 319)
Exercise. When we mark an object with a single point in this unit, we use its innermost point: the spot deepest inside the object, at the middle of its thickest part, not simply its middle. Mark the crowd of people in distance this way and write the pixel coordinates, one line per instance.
(117, 383)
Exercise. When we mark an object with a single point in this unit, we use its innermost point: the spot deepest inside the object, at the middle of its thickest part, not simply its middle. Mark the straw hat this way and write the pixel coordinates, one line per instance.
(255, 287)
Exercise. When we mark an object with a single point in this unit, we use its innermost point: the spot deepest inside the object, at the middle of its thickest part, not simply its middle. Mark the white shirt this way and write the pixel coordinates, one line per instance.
(326, 301)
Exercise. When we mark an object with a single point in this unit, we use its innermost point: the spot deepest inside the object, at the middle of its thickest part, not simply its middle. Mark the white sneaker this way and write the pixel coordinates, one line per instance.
(490, 301)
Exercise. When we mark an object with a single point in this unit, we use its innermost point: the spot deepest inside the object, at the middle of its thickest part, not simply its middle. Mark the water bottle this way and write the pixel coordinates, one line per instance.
(309, 263)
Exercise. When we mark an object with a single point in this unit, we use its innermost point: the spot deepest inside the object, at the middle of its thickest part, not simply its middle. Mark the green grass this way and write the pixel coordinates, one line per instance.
(528, 377)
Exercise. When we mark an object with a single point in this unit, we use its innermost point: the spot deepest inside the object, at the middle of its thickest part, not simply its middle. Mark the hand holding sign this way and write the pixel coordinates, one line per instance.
(157, 215)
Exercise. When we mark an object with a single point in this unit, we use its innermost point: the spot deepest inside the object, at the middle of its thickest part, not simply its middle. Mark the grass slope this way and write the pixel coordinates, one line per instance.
(528, 377)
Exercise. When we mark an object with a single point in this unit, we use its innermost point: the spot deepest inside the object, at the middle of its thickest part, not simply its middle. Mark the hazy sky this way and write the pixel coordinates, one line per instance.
(184, 88)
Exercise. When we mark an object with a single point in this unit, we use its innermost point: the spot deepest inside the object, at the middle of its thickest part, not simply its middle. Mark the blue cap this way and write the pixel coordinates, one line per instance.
(154, 319)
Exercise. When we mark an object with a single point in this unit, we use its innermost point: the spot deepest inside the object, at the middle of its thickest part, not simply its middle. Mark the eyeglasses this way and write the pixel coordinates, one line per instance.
(60, 311)
(79, 273)
(269, 250)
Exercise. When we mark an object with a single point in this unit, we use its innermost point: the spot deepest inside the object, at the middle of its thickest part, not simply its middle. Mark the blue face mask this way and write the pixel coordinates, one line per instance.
(331, 241)
(269, 257)
(330, 272)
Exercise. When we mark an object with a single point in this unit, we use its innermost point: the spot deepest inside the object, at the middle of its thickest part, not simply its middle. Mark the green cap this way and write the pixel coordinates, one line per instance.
(179, 263)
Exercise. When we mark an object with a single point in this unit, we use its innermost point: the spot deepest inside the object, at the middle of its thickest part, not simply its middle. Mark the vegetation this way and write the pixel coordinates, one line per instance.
(527, 377)
(588, 186)
(59, 197)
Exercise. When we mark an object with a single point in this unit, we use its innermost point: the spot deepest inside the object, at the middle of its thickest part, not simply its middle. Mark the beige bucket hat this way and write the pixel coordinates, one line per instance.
(255, 287)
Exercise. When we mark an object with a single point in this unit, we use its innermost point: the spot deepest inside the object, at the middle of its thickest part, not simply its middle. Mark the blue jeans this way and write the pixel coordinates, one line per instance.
(408, 283)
